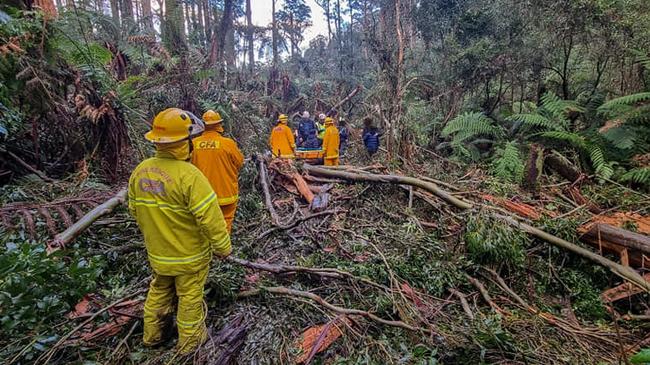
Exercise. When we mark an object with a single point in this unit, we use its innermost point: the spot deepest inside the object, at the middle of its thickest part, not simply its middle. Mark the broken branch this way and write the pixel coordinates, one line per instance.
(341, 310)
(64, 238)
(392, 179)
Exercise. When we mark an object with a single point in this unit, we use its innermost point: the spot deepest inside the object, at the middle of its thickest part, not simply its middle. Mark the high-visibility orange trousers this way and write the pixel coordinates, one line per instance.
(331, 161)
(229, 214)
(190, 319)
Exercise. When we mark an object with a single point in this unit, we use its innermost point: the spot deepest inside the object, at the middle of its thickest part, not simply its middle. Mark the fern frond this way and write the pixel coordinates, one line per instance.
(621, 137)
(508, 164)
(535, 120)
(559, 108)
(572, 139)
(470, 125)
(629, 100)
(601, 166)
(639, 175)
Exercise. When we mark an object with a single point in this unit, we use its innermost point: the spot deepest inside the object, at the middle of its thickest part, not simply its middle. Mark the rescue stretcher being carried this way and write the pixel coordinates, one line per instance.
(310, 155)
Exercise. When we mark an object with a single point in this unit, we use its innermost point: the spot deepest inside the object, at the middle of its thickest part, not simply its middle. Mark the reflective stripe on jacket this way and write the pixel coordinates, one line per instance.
(178, 215)
(282, 142)
(331, 141)
(220, 161)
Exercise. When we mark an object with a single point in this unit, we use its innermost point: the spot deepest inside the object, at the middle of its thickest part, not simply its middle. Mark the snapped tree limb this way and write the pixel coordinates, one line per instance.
(348, 311)
(390, 179)
(64, 238)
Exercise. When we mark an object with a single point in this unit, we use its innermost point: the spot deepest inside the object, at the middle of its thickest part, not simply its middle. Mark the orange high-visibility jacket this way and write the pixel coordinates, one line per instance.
(220, 160)
(282, 141)
(331, 142)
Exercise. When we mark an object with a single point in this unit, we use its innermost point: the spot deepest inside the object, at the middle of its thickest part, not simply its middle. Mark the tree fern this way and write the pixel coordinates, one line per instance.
(639, 175)
(508, 164)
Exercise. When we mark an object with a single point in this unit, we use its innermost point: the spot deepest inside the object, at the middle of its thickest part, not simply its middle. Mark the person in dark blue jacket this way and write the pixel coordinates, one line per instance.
(312, 141)
(370, 136)
(305, 127)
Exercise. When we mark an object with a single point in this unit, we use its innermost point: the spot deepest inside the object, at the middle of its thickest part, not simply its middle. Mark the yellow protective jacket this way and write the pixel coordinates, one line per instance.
(282, 141)
(331, 141)
(178, 215)
(220, 161)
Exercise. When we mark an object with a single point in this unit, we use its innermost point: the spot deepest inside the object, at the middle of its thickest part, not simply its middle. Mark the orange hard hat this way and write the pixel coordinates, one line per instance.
(173, 125)
(212, 117)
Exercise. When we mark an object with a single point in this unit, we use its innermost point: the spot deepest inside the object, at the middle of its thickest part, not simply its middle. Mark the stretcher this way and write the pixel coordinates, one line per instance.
(309, 155)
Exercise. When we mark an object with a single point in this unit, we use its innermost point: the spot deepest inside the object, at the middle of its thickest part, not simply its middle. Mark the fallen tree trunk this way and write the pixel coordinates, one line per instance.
(618, 269)
(64, 238)
(605, 232)
(390, 179)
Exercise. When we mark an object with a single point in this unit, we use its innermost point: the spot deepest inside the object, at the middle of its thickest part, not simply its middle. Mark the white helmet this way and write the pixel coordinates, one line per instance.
(321, 116)
(305, 114)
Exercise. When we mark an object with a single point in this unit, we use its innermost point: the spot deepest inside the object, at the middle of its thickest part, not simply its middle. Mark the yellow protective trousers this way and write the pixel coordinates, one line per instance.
(229, 214)
(158, 307)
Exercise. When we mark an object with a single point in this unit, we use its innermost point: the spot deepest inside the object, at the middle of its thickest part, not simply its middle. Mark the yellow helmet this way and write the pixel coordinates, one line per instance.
(329, 121)
(283, 118)
(212, 117)
(173, 125)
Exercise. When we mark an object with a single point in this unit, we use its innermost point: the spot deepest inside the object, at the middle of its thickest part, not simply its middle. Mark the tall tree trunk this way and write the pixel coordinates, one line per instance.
(115, 11)
(223, 35)
(127, 12)
(292, 34)
(147, 16)
(249, 37)
(339, 35)
(173, 36)
(274, 35)
(208, 20)
(188, 22)
(201, 24)
(328, 15)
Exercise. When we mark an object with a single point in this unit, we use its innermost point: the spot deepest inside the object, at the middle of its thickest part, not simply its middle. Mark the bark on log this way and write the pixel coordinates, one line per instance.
(605, 232)
(64, 238)
(391, 179)
(618, 269)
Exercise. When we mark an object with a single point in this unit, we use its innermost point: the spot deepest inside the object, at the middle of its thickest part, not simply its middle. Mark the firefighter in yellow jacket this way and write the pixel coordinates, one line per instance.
(282, 141)
(331, 141)
(179, 216)
(220, 161)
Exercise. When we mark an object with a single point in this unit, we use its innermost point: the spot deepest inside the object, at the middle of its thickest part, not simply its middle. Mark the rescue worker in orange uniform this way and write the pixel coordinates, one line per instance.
(179, 216)
(220, 161)
(282, 141)
(331, 142)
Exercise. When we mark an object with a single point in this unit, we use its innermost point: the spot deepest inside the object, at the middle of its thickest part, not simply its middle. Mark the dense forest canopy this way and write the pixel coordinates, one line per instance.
(540, 108)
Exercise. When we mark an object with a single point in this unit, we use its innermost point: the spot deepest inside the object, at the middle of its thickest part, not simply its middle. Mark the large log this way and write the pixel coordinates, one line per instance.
(605, 232)
(618, 269)
(390, 179)
(64, 238)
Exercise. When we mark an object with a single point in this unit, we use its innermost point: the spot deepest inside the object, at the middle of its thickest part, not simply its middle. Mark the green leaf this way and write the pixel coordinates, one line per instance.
(641, 357)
